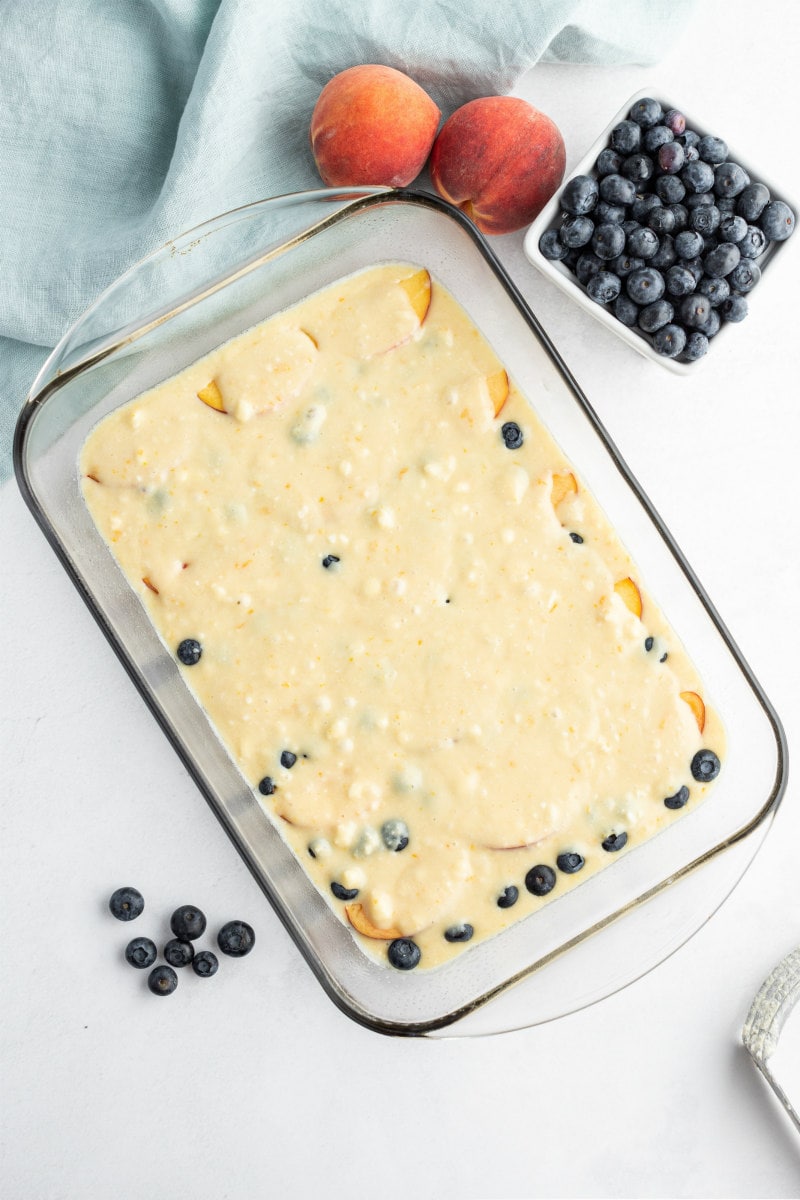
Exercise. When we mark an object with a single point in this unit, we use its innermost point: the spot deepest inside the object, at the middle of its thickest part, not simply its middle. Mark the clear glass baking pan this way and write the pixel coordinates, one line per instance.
(223, 277)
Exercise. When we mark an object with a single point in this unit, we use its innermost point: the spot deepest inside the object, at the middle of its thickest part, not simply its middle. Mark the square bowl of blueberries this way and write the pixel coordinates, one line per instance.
(662, 233)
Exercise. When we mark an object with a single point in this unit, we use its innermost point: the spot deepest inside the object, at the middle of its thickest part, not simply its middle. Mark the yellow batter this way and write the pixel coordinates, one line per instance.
(420, 640)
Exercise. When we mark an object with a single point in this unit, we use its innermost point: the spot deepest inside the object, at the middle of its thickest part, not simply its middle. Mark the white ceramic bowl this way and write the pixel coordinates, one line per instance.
(551, 215)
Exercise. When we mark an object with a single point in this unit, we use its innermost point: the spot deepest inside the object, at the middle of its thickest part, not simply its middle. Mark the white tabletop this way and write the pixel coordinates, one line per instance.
(253, 1083)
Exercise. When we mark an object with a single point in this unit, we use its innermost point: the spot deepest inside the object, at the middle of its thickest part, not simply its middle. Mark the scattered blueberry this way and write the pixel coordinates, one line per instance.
(190, 652)
(614, 842)
(162, 981)
(288, 759)
(141, 952)
(237, 938)
(705, 766)
(459, 933)
(395, 834)
(188, 922)
(404, 954)
(205, 964)
(178, 953)
(329, 560)
(343, 893)
(680, 798)
(664, 657)
(508, 897)
(512, 435)
(267, 786)
(648, 644)
(576, 537)
(604, 287)
(540, 880)
(126, 904)
(580, 195)
(571, 862)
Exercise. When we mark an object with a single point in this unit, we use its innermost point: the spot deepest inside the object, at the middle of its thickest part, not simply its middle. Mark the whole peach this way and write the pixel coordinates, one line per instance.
(372, 125)
(500, 160)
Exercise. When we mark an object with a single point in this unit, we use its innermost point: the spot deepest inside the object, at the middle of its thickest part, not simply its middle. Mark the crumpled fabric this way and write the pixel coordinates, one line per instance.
(124, 122)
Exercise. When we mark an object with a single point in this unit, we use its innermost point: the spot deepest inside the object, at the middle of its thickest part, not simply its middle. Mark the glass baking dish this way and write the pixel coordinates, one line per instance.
(221, 278)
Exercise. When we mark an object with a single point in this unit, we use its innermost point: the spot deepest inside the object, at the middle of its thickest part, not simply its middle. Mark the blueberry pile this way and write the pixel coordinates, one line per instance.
(188, 923)
(667, 232)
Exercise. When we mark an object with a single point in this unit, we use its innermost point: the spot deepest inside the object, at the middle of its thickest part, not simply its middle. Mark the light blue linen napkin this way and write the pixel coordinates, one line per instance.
(124, 122)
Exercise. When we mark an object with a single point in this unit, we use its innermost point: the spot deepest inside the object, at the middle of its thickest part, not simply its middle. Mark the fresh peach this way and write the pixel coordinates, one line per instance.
(500, 160)
(372, 125)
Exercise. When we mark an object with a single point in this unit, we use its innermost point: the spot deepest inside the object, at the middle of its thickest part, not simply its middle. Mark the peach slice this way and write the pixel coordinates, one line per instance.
(629, 594)
(697, 706)
(418, 289)
(498, 389)
(273, 366)
(212, 396)
(562, 485)
(383, 310)
(361, 922)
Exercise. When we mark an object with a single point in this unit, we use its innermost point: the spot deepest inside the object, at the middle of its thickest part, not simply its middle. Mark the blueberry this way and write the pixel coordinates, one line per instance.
(608, 241)
(712, 150)
(726, 205)
(692, 154)
(205, 964)
(649, 642)
(777, 221)
(642, 204)
(680, 798)
(671, 157)
(576, 537)
(570, 863)
(705, 766)
(638, 168)
(237, 938)
(403, 954)
(551, 246)
(126, 904)
(188, 922)
(540, 880)
(734, 309)
(178, 953)
(629, 226)
(753, 243)
(512, 435)
(190, 652)
(459, 933)
(643, 243)
(689, 138)
(670, 189)
(675, 120)
(626, 311)
(698, 177)
(696, 346)
(665, 256)
(717, 289)
(732, 228)
(343, 893)
(626, 137)
(608, 214)
(609, 162)
(624, 263)
(681, 216)
(576, 232)
(645, 286)
(587, 265)
(730, 179)
(141, 952)
(722, 260)
(603, 287)
(616, 189)
(329, 560)
(694, 310)
(267, 786)
(700, 200)
(658, 136)
(705, 219)
(669, 341)
(580, 195)
(614, 842)
(661, 220)
(288, 759)
(695, 265)
(689, 243)
(710, 327)
(745, 277)
(394, 834)
(646, 112)
(162, 981)
(664, 657)
(654, 315)
(508, 897)
(752, 201)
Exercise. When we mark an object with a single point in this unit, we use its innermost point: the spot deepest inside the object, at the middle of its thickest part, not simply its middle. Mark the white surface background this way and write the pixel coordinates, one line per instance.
(253, 1083)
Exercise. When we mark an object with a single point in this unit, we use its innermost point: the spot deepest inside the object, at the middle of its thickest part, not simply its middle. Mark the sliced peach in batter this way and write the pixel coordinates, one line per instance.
(629, 594)
(418, 289)
(361, 922)
(498, 389)
(212, 396)
(562, 486)
(697, 706)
